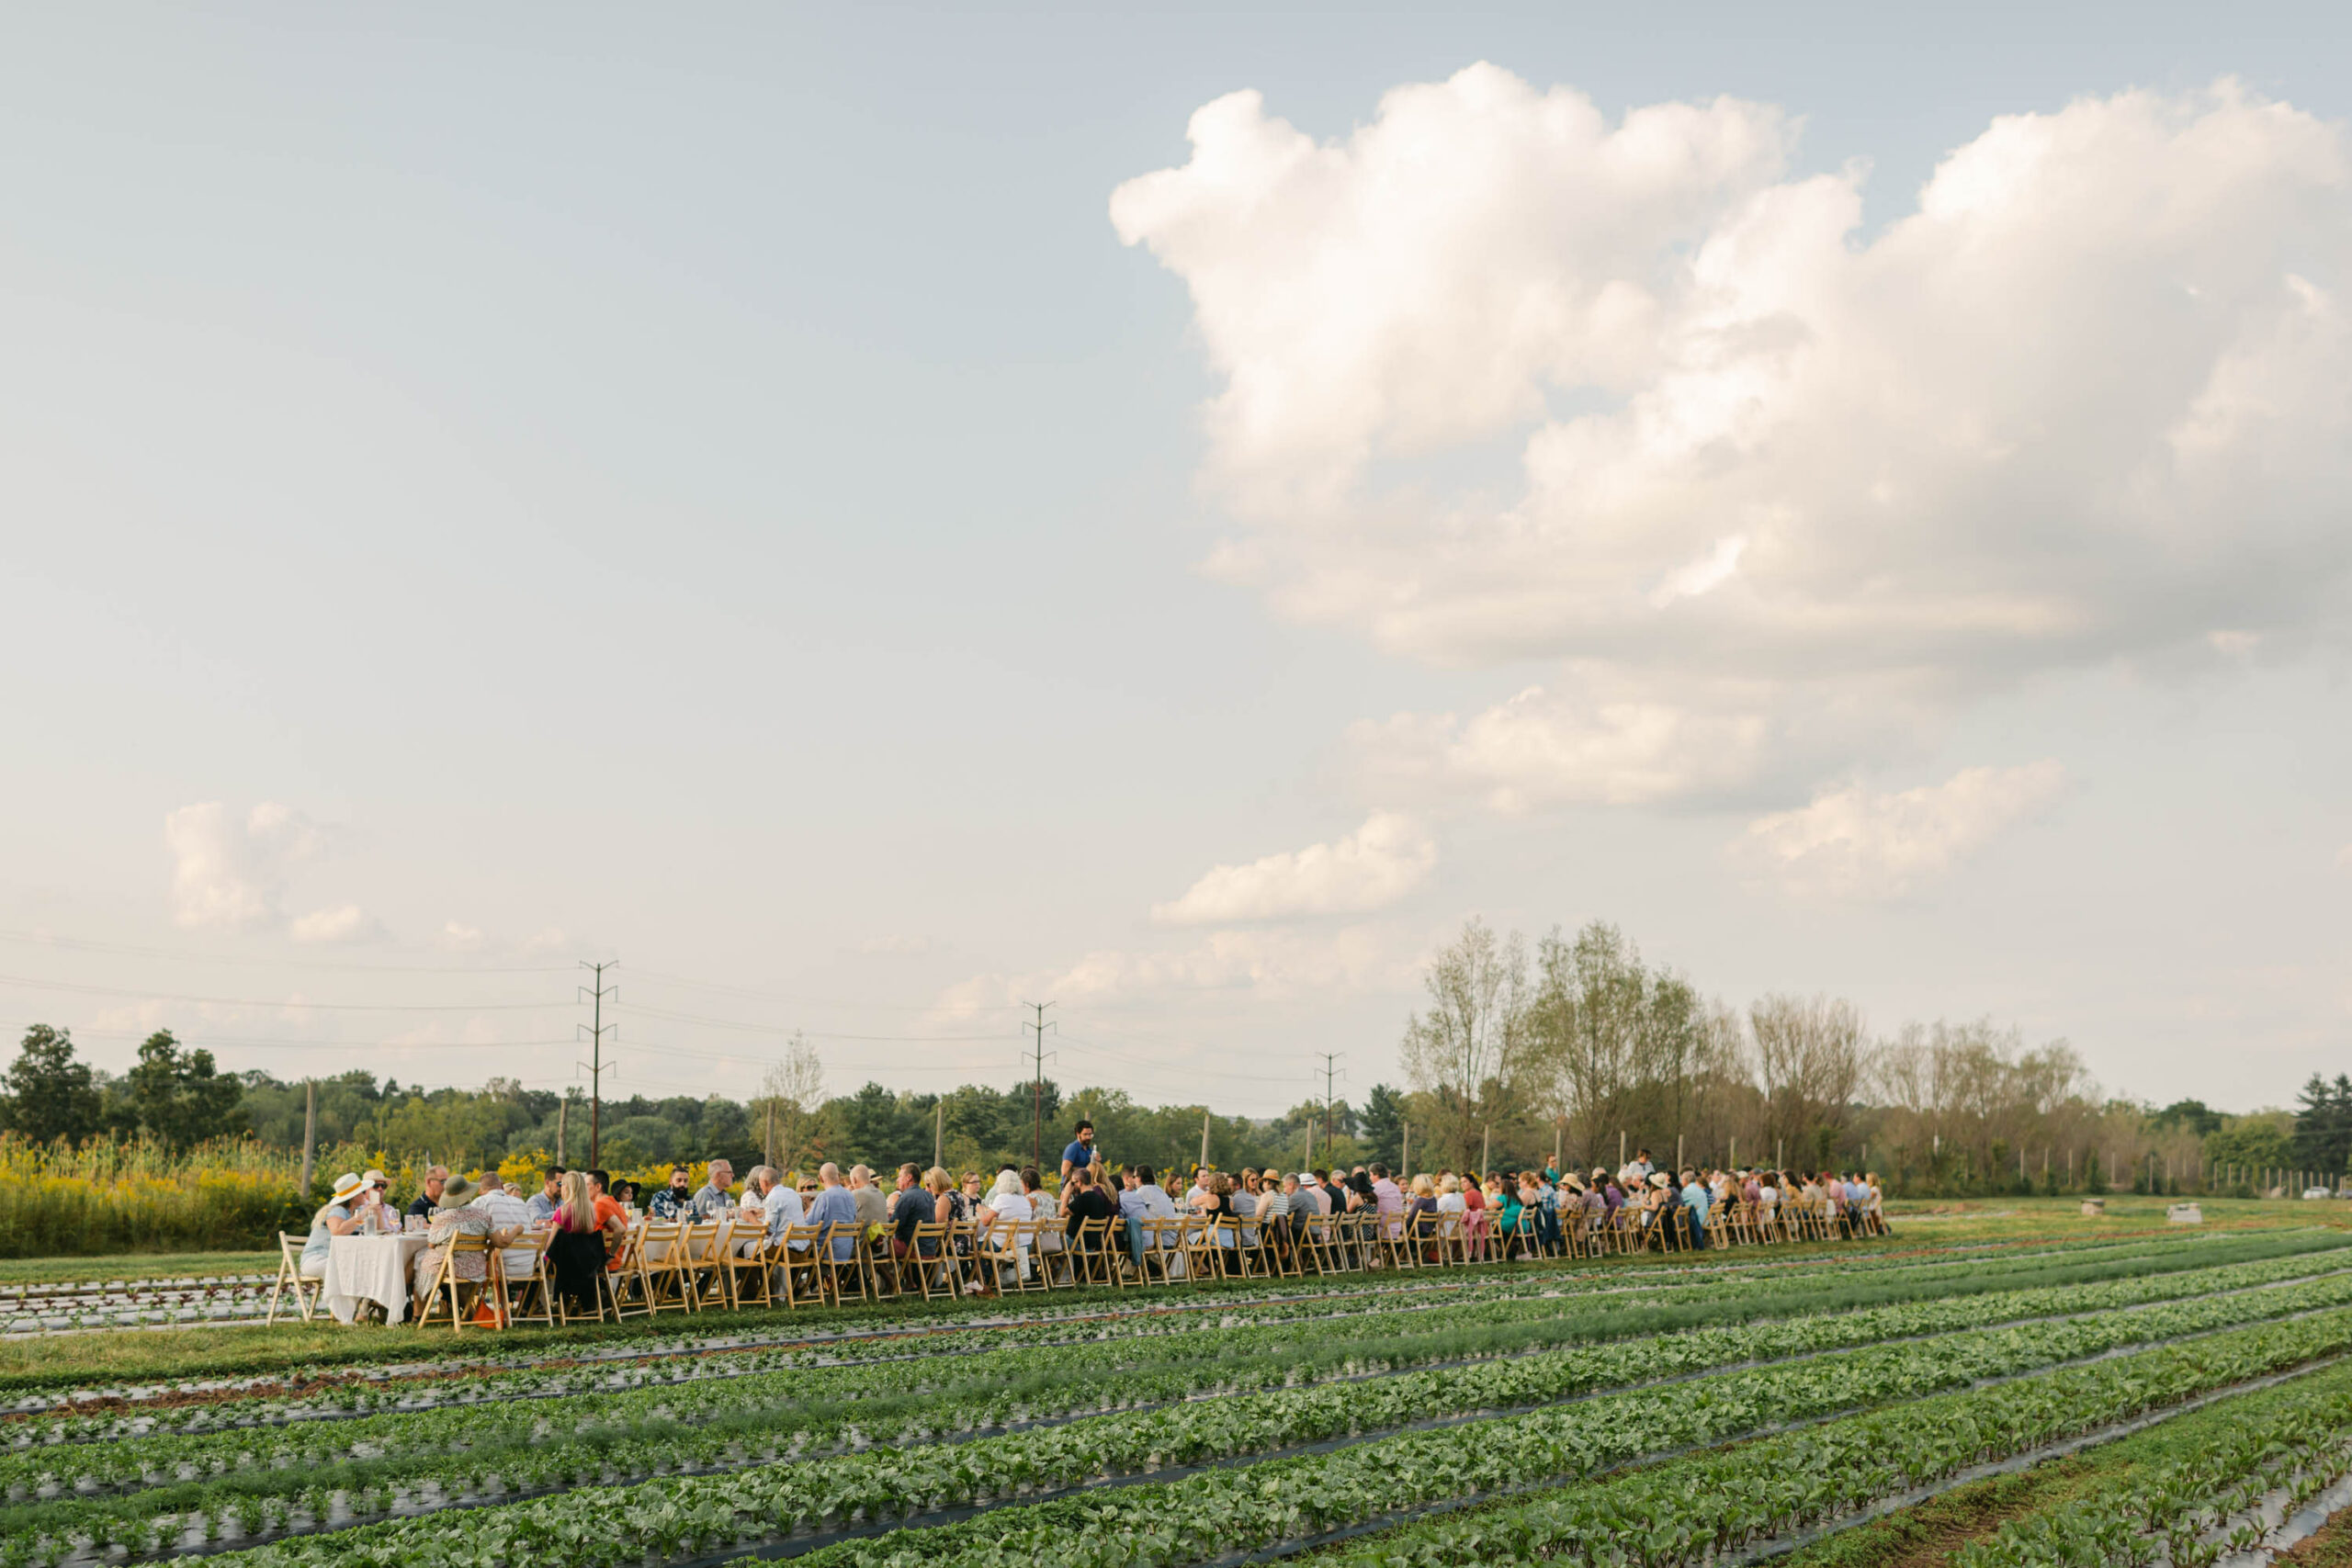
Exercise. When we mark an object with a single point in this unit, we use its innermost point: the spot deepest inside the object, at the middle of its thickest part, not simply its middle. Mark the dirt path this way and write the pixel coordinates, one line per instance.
(2328, 1547)
(1926, 1536)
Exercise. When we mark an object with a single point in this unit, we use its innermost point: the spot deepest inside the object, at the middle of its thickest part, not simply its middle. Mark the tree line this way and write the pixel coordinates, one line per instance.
(1578, 1050)
(177, 1097)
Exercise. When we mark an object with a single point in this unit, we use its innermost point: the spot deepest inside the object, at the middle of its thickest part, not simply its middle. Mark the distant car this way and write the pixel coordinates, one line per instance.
(2317, 1192)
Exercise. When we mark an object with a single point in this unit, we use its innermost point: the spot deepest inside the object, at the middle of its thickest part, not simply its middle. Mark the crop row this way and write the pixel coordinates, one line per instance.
(821, 1492)
(998, 1374)
(954, 1396)
(1709, 1507)
(2262, 1454)
(1210, 1513)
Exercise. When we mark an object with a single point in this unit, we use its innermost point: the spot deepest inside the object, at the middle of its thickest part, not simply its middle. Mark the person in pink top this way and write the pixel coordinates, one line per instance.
(1473, 1219)
(1389, 1200)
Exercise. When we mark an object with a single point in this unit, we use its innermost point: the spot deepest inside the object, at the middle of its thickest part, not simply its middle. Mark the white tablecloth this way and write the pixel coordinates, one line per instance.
(362, 1269)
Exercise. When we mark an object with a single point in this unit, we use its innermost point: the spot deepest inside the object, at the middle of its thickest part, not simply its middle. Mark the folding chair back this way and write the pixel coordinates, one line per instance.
(932, 1260)
(450, 1292)
(291, 1278)
(843, 1277)
(746, 1263)
(797, 1259)
(1453, 1245)
(529, 1289)
(1203, 1258)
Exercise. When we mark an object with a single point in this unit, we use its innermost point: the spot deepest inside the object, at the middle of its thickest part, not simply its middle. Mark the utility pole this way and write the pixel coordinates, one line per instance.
(310, 1131)
(1037, 1084)
(1204, 1138)
(596, 1031)
(1329, 1058)
(1486, 1149)
(1405, 1155)
(562, 1111)
(939, 1131)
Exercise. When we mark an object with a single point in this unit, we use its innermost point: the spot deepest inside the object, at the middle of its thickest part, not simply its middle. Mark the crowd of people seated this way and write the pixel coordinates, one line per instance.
(1103, 1224)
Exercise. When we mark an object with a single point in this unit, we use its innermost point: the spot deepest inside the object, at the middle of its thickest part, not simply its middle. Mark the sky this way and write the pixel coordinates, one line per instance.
(872, 516)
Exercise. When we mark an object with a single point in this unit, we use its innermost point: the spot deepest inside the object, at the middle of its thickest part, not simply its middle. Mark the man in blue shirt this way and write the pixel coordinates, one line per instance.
(1695, 1197)
(835, 1205)
(1080, 1152)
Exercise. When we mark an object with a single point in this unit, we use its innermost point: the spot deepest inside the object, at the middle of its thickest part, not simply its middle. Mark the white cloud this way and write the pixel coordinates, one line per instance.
(232, 873)
(1542, 749)
(2090, 399)
(459, 937)
(346, 922)
(1860, 844)
(1373, 868)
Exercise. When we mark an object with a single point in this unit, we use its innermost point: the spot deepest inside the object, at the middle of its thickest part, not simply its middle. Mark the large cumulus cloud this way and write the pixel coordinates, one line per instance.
(1502, 378)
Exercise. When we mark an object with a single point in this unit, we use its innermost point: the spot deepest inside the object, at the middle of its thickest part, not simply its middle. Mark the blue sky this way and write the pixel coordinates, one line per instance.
(476, 493)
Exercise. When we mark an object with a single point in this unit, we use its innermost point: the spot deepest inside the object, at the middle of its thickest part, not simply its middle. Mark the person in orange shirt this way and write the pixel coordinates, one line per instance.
(611, 1218)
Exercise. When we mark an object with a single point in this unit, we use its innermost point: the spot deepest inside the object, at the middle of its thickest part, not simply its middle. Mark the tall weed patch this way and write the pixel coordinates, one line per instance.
(105, 1197)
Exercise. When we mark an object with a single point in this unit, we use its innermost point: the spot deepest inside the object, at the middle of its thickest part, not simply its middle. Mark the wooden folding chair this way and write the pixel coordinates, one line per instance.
(1160, 1244)
(447, 1288)
(935, 1266)
(669, 1282)
(996, 1249)
(307, 1291)
(1092, 1261)
(1450, 1242)
(746, 1265)
(1203, 1258)
(1049, 1251)
(842, 1276)
(702, 1274)
(797, 1260)
(528, 1291)
(873, 1256)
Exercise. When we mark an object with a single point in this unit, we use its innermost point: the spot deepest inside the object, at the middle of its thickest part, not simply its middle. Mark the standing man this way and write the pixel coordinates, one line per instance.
(1080, 1152)
(711, 1199)
(434, 1179)
(549, 1197)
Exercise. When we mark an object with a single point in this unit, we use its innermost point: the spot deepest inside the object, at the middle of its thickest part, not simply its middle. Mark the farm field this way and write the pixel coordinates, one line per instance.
(1869, 1403)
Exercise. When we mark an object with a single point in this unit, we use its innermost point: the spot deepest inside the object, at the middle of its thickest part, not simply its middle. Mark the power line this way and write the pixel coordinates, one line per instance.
(80, 944)
(643, 975)
(249, 1043)
(709, 1022)
(274, 1001)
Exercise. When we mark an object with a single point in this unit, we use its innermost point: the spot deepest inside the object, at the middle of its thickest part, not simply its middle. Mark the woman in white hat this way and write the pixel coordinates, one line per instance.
(335, 1218)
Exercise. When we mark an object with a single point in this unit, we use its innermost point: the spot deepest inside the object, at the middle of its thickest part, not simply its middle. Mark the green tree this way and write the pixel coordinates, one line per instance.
(1381, 1128)
(2193, 1114)
(2324, 1125)
(47, 1094)
(180, 1099)
(2252, 1143)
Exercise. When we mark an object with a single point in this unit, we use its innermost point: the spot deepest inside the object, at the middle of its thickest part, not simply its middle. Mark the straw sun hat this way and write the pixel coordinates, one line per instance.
(348, 1187)
(457, 1192)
